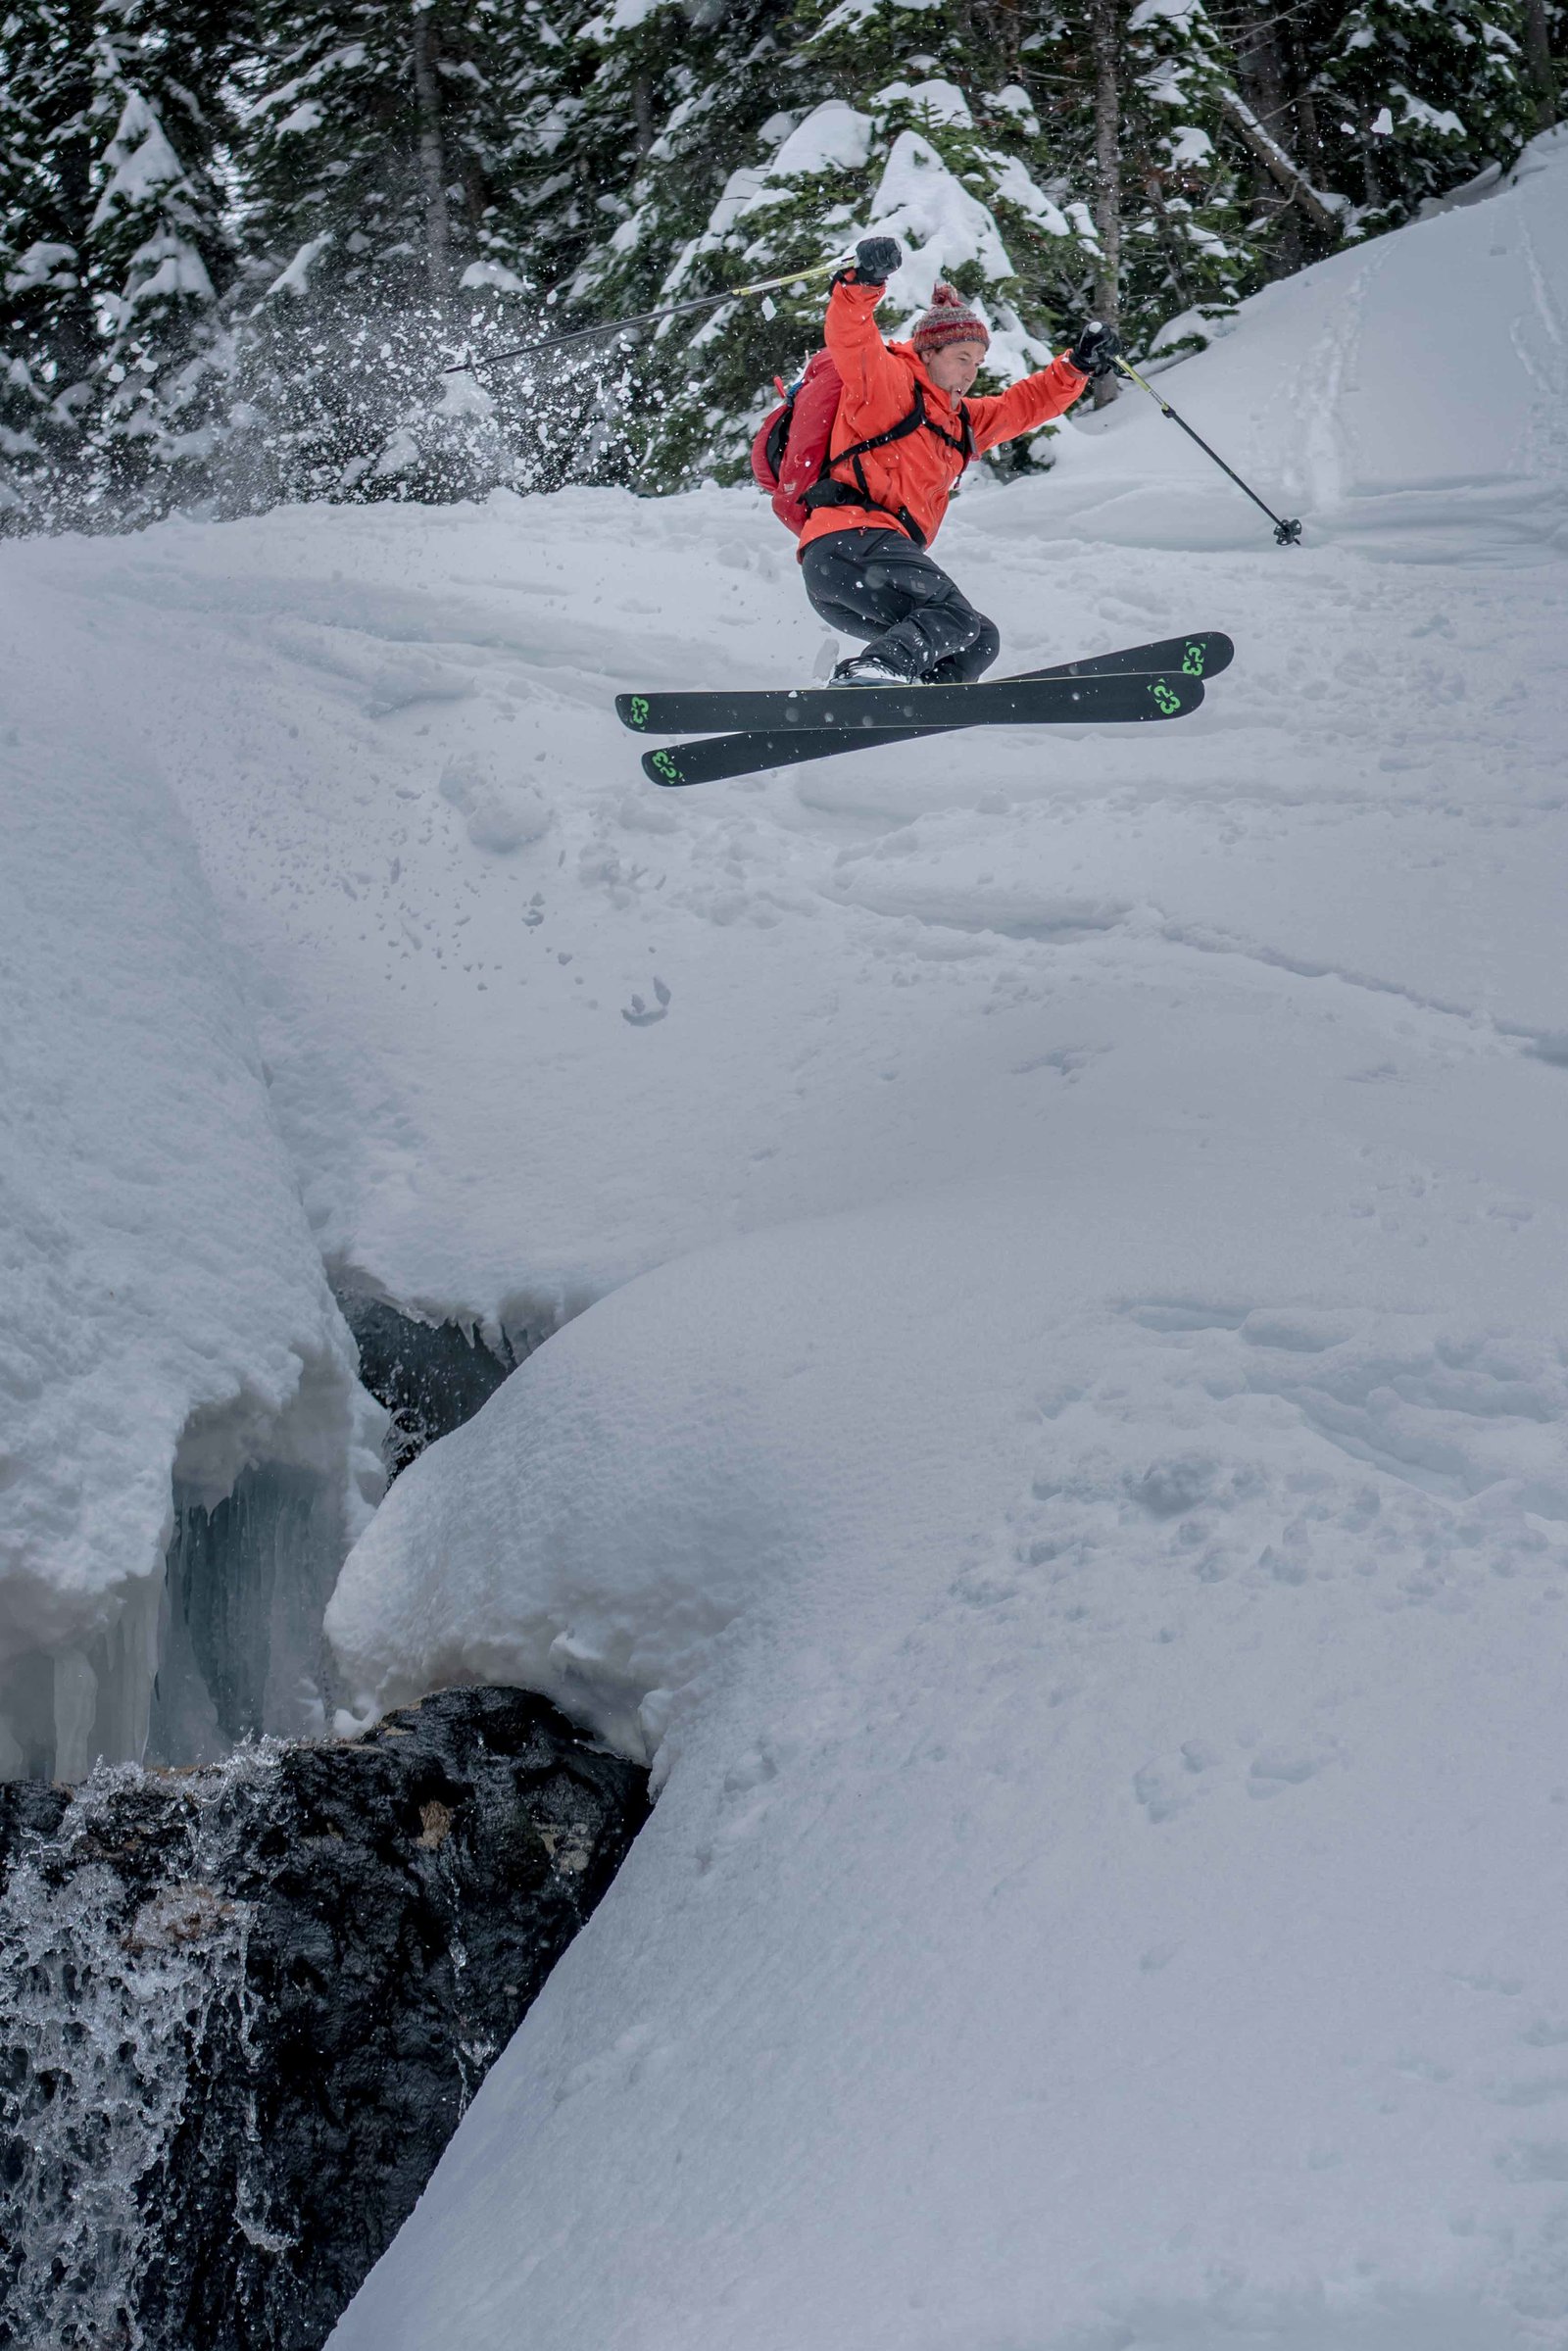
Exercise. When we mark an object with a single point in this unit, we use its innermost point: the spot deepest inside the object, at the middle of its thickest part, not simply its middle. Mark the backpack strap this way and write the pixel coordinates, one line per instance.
(838, 493)
(828, 492)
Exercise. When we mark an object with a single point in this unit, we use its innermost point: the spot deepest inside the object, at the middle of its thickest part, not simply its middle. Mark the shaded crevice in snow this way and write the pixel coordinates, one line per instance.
(430, 1373)
(262, 1516)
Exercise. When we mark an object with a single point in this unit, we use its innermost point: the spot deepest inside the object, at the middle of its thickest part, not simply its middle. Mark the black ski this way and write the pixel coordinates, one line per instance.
(1203, 654)
(1130, 699)
(1021, 701)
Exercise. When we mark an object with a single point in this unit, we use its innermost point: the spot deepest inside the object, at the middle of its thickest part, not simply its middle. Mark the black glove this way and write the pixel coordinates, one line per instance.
(876, 259)
(1096, 351)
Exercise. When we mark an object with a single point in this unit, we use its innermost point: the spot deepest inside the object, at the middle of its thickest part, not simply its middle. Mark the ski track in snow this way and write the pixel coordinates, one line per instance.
(1058, 1450)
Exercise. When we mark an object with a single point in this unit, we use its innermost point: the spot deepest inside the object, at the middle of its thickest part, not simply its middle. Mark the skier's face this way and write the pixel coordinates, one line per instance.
(956, 365)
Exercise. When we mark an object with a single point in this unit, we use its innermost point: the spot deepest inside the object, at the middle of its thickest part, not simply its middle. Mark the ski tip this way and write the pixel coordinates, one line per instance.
(1209, 652)
(1204, 653)
(663, 767)
(1174, 695)
(632, 710)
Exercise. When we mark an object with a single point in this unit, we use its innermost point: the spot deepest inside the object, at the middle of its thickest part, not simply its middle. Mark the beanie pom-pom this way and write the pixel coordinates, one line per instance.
(945, 297)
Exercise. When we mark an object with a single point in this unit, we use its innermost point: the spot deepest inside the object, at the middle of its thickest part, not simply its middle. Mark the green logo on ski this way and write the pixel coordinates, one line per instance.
(665, 761)
(1167, 696)
(1193, 661)
(638, 708)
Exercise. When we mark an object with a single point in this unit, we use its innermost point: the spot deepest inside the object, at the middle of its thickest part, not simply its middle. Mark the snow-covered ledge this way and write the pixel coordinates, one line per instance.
(1097, 1644)
(164, 1316)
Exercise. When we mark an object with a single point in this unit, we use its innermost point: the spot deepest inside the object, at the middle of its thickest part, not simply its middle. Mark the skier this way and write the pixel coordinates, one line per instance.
(904, 434)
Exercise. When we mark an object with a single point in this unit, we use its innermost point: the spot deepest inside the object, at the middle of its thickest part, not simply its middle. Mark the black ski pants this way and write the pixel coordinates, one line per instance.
(879, 585)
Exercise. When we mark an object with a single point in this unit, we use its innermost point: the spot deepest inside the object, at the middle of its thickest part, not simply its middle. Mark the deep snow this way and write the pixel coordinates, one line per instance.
(163, 1311)
(1065, 1473)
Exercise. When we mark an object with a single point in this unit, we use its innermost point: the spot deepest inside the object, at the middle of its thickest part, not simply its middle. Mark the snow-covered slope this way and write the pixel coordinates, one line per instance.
(1089, 1557)
(1407, 397)
(1062, 1463)
(390, 729)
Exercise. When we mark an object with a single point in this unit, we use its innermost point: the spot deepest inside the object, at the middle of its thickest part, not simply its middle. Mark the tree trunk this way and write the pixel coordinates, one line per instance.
(1260, 71)
(1010, 39)
(1321, 209)
(73, 156)
(433, 151)
(1538, 53)
(1309, 140)
(1169, 242)
(1371, 177)
(1105, 28)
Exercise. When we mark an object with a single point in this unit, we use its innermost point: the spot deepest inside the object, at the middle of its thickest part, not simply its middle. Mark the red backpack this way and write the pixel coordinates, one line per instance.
(790, 453)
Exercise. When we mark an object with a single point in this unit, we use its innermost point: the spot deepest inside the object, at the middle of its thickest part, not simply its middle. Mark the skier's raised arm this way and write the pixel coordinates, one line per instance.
(1035, 399)
(870, 374)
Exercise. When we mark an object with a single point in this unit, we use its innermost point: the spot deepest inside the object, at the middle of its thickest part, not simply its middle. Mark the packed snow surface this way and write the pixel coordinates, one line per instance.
(1063, 1462)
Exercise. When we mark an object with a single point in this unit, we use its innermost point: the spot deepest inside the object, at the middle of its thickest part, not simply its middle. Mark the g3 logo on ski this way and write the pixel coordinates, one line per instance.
(1193, 662)
(1167, 696)
(639, 710)
(664, 762)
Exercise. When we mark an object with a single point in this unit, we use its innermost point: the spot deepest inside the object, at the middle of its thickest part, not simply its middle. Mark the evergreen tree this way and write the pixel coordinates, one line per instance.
(1134, 101)
(787, 139)
(673, 99)
(155, 248)
(1414, 96)
(353, 176)
(48, 345)
(238, 245)
(114, 249)
(390, 230)
(1186, 242)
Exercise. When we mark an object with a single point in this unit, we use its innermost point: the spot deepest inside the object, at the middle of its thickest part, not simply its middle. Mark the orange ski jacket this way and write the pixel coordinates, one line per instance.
(882, 383)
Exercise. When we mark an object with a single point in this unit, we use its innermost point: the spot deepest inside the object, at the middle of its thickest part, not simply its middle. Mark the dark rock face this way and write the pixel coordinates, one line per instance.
(431, 1377)
(242, 2009)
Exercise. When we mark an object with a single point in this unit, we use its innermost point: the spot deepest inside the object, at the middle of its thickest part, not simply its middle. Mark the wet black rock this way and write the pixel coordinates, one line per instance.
(242, 2009)
(431, 1376)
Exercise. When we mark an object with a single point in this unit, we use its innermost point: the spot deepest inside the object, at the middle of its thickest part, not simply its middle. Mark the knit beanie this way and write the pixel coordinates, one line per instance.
(950, 320)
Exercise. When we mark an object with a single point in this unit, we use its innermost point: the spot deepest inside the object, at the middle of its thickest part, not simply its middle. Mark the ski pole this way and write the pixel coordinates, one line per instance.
(672, 309)
(1288, 534)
